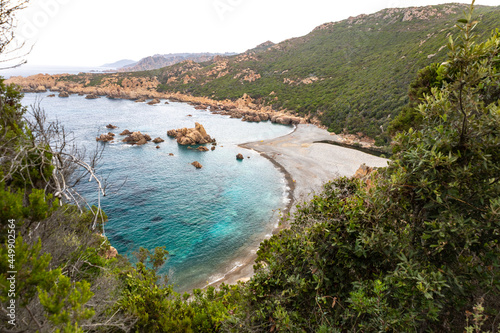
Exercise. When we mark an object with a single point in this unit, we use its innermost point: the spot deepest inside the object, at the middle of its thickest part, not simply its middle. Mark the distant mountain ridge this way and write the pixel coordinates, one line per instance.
(120, 63)
(162, 60)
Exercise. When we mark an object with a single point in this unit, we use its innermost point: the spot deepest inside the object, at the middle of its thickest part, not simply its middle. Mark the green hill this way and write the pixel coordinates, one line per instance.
(353, 75)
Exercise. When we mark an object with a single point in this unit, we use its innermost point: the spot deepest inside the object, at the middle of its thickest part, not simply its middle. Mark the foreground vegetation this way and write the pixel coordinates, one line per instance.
(412, 248)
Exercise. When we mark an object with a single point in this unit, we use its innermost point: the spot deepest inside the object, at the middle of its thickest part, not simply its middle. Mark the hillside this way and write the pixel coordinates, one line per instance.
(353, 75)
(162, 60)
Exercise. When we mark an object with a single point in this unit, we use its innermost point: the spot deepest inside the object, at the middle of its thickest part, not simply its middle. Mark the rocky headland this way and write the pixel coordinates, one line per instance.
(142, 89)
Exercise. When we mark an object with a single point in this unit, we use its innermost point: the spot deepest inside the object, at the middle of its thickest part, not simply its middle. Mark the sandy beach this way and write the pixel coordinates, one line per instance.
(307, 166)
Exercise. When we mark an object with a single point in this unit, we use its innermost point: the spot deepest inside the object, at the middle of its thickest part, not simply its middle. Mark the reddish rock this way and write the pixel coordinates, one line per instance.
(154, 101)
(191, 136)
(126, 132)
(111, 126)
(104, 138)
(197, 165)
(239, 157)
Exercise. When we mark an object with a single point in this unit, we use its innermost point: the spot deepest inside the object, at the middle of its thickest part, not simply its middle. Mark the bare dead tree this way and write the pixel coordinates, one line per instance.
(12, 51)
(46, 145)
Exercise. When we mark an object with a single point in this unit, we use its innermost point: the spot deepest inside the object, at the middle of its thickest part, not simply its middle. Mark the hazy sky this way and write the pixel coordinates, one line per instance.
(94, 32)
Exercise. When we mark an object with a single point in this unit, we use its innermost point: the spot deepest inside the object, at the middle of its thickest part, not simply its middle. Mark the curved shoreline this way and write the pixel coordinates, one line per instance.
(306, 165)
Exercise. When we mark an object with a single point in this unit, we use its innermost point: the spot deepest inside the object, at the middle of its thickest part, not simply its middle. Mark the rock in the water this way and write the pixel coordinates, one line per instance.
(137, 138)
(170, 154)
(147, 137)
(202, 148)
(111, 126)
(157, 147)
(239, 157)
(91, 96)
(140, 100)
(51, 95)
(197, 165)
(158, 140)
(63, 94)
(105, 138)
(191, 136)
(141, 142)
(112, 134)
(154, 101)
(213, 148)
(126, 132)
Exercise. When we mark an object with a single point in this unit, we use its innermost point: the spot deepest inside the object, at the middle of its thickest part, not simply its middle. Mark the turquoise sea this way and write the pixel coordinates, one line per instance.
(206, 218)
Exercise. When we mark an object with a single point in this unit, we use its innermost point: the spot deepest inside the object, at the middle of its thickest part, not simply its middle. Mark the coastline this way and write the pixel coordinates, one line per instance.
(306, 165)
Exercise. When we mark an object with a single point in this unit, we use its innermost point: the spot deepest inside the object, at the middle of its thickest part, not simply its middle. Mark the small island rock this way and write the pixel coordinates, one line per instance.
(191, 136)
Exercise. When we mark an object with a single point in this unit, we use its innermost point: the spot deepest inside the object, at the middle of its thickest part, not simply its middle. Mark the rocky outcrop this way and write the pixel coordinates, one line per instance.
(239, 157)
(64, 94)
(111, 126)
(158, 140)
(154, 101)
(111, 252)
(363, 172)
(191, 136)
(51, 95)
(91, 96)
(126, 132)
(197, 165)
(202, 148)
(105, 138)
(137, 138)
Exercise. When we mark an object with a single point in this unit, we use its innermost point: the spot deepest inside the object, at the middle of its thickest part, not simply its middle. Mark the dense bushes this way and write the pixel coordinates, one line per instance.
(414, 247)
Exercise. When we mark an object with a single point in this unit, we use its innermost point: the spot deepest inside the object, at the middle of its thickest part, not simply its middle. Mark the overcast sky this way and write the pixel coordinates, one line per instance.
(94, 32)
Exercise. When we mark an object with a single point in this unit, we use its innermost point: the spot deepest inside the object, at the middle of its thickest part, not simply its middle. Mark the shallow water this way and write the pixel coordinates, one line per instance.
(206, 218)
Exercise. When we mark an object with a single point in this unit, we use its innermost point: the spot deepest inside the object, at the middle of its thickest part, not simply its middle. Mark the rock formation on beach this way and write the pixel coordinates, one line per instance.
(191, 136)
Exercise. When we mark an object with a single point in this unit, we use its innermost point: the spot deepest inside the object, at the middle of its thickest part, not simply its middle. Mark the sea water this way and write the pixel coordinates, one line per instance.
(206, 218)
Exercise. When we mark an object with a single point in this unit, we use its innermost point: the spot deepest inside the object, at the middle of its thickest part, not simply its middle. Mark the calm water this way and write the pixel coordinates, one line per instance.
(206, 218)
